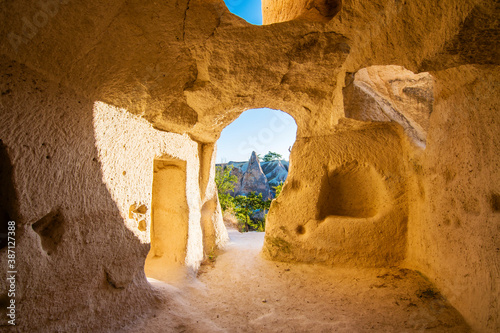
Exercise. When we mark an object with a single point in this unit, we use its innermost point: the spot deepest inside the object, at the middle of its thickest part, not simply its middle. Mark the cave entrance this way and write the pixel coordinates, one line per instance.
(252, 165)
(169, 219)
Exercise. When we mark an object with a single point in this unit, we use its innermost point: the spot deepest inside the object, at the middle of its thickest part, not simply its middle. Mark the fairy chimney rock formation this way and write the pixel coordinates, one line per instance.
(275, 171)
(254, 179)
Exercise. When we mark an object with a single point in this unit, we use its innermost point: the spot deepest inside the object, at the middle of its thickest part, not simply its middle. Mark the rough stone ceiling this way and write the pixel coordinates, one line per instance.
(193, 67)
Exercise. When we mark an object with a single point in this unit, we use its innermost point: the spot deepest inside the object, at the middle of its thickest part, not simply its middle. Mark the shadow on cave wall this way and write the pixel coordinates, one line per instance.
(76, 259)
(8, 196)
(351, 190)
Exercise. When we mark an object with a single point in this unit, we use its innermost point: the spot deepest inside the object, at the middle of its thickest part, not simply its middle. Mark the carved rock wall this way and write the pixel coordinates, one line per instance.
(82, 172)
(454, 224)
(76, 254)
(349, 199)
(190, 67)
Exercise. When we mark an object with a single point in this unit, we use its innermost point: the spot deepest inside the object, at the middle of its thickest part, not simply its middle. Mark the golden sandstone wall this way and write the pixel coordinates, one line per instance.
(453, 231)
(75, 252)
(349, 199)
(93, 92)
(452, 195)
(82, 170)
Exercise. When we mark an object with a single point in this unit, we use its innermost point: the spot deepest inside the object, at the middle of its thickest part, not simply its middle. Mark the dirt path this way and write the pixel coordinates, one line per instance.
(241, 292)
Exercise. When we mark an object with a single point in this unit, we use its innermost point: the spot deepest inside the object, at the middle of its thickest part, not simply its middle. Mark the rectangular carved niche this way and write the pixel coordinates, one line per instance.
(169, 217)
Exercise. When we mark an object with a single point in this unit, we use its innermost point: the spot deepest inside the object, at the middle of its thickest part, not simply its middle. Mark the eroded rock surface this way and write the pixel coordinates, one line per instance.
(254, 179)
(349, 199)
(92, 92)
(391, 93)
(275, 173)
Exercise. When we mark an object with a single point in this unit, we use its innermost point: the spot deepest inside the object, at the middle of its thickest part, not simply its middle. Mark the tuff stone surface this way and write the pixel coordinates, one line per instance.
(254, 179)
(349, 197)
(391, 93)
(89, 88)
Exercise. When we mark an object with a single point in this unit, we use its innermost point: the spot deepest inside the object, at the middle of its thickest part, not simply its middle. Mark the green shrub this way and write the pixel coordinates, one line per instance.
(246, 208)
(225, 184)
(278, 188)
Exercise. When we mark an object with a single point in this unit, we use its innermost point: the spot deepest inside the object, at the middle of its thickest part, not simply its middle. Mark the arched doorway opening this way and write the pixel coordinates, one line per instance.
(252, 166)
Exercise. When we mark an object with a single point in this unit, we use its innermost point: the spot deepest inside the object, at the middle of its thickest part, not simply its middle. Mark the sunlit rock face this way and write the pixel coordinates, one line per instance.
(391, 93)
(451, 184)
(349, 200)
(254, 179)
(93, 93)
(275, 173)
(308, 10)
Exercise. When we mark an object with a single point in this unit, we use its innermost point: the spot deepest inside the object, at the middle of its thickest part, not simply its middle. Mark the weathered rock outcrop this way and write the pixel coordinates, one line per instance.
(275, 172)
(254, 180)
(238, 171)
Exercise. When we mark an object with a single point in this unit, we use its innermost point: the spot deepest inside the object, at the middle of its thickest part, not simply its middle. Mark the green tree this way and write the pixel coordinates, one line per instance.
(225, 182)
(246, 207)
(271, 156)
(242, 211)
(278, 188)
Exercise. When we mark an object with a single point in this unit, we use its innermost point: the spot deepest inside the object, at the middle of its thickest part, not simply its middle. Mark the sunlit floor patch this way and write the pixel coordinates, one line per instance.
(241, 292)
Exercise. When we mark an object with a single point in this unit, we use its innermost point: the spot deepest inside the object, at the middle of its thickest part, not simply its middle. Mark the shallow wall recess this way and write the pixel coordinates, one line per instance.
(209, 209)
(344, 201)
(50, 228)
(351, 190)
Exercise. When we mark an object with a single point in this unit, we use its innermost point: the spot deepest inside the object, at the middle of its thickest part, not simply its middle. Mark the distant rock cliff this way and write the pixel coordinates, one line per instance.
(275, 171)
(254, 176)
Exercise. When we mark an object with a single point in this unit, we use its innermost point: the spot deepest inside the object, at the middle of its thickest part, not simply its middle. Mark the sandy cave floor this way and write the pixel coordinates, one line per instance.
(241, 292)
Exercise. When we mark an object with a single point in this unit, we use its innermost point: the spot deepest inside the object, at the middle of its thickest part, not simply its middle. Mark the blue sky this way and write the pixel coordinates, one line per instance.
(259, 130)
(250, 10)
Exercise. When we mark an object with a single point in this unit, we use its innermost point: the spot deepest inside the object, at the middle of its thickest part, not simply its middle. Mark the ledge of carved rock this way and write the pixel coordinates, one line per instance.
(391, 93)
(275, 11)
(349, 199)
